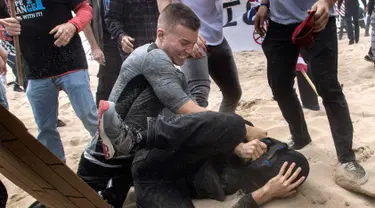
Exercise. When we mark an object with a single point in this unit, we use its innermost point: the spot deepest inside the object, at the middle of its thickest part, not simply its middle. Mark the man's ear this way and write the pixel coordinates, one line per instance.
(161, 35)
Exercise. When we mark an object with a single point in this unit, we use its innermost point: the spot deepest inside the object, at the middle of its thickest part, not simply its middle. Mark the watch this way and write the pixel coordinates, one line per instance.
(266, 5)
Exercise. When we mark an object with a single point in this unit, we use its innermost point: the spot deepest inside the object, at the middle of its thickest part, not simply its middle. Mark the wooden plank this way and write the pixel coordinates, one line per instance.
(48, 199)
(61, 199)
(77, 182)
(17, 173)
(82, 202)
(65, 188)
(19, 183)
(18, 129)
(41, 168)
(20, 165)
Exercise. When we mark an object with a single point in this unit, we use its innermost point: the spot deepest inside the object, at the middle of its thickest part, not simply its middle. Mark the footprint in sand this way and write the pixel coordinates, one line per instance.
(313, 193)
(16, 197)
(363, 153)
(248, 104)
(74, 142)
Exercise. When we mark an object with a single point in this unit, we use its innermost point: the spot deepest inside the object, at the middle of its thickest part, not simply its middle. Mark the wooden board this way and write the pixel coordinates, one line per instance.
(32, 167)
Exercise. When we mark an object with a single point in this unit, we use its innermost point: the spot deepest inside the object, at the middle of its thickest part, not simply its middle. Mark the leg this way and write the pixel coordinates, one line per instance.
(3, 195)
(196, 72)
(356, 25)
(43, 95)
(3, 97)
(98, 176)
(223, 71)
(282, 57)
(368, 22)
(77, 86)
(323, 59)
(108, 74)
(373, 33)
(349, 26)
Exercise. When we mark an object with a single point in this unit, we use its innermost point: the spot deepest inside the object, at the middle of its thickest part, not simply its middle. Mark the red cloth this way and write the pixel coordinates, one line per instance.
(83, 16)
(303, 35)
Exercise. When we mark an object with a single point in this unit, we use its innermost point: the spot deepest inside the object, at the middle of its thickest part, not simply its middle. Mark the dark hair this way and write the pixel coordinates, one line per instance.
(179, 14)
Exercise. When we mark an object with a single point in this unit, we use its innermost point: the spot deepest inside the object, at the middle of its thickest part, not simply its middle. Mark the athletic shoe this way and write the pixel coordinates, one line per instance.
(369, 58)
(355, 172)
(292, 145)
(117, 138)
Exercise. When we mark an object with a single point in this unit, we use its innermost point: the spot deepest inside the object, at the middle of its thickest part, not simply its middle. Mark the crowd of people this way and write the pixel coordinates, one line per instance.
(154, 131)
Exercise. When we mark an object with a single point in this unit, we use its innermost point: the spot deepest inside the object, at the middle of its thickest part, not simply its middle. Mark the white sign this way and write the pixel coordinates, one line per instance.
(238, 24)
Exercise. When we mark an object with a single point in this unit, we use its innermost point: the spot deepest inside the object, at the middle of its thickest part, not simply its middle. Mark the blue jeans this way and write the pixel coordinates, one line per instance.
(3, 98)
(43, 97)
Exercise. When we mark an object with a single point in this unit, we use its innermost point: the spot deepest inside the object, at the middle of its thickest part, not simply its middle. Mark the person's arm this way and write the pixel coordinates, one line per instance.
(113, 19)
(163, 3)
(283, 185)
(97, 53)
(83, 12)
(167, 86)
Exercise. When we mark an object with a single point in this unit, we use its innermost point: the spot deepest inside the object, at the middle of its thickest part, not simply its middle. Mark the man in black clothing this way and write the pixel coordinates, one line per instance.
(131, 23)
(108, 73)
(352, 17)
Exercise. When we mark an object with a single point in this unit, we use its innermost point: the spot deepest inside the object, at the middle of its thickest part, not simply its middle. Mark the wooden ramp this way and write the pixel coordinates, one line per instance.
(32, 167)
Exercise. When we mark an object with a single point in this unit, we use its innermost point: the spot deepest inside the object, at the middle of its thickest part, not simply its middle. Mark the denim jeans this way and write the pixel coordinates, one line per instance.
(281, 56)
(373, 33)
(3, 97)
(43, 97)
(219, 64)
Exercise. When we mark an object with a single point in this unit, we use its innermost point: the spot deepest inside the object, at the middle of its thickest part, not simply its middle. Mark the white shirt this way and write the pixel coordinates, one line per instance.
(210, 12)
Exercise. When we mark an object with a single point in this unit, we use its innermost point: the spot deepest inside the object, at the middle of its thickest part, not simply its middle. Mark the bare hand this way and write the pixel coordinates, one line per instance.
(126, 44)
(251, 150)
(260, 17)
(12, 25)
(283, 184)
(199, 46)
(255, 133)
(63, 33)
(98, 56)
(321, 8)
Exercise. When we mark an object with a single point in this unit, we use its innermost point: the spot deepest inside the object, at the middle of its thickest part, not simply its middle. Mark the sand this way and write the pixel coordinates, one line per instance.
(320, 189)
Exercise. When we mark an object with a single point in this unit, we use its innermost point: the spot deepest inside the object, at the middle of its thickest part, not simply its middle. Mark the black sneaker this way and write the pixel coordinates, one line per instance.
(60, 123)
(355, 172)
(37, 204)
(351, 42)
(369, 58)
(17, 88)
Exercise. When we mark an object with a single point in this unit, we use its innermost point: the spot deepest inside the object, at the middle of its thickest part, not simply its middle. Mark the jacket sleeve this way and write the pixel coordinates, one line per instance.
(83, 16)
(113, 19)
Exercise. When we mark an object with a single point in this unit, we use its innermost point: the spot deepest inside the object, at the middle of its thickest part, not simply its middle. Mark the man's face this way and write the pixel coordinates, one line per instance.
(178, 42)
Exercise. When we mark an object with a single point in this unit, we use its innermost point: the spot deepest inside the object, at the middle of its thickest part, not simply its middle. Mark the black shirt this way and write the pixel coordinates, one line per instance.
(45, 59)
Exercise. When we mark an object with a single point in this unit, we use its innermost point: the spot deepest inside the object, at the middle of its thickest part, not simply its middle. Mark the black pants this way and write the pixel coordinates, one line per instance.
(352, 18)
(97, 177)
(281, 56)
(108, 74)
(183, 154)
